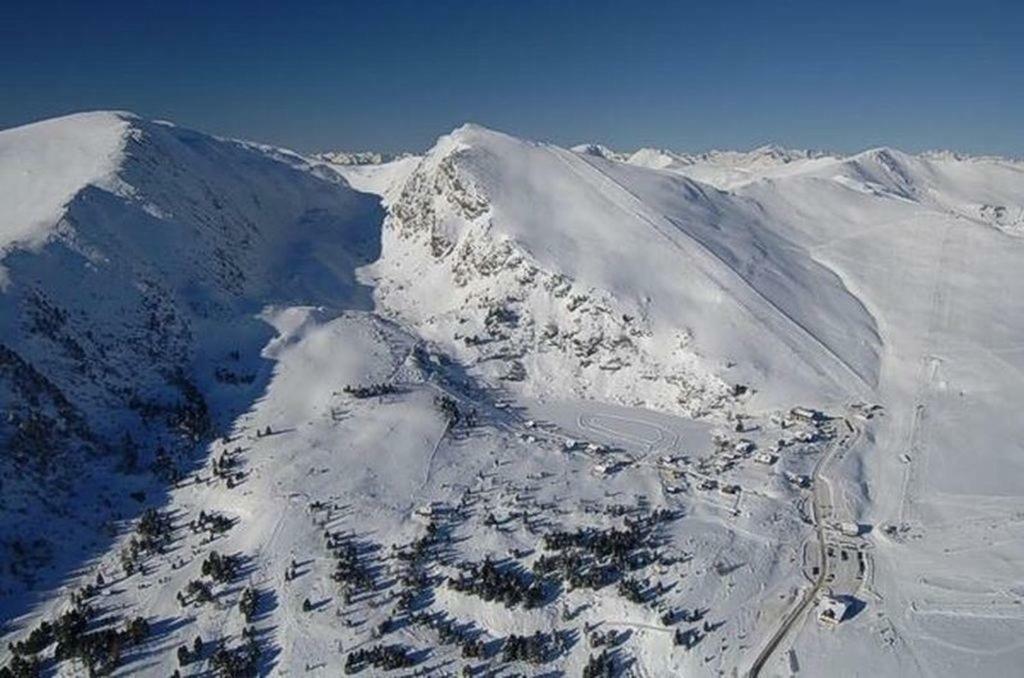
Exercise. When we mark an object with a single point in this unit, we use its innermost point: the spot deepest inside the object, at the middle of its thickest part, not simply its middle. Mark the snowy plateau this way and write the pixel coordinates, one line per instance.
(506, 408)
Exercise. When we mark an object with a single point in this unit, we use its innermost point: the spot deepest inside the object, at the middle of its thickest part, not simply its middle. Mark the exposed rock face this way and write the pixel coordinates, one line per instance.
(507, 314)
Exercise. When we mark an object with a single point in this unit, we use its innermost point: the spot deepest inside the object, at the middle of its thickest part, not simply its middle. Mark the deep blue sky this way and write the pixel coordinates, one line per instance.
(843, 75)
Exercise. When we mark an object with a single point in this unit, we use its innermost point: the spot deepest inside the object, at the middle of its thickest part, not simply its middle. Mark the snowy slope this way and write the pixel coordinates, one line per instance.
(600, 151)
(921, 253)
(138, 256)
(384, 179)
(361, 403)
(46, 164)
(729, 169)
(911, 236)
(633, 285)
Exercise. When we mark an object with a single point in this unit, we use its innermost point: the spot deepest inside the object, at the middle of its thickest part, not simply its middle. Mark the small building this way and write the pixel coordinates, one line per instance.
(806, 414)
(427, 512)
(831, 611)
(745, 446)
(807, 436)
(766, 458)
(570, 444)
(849, 529)
(723, 465)
(798, 480)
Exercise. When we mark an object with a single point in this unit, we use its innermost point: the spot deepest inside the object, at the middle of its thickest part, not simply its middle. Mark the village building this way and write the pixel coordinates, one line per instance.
(831, 611)
(806, 415)
(849, 529)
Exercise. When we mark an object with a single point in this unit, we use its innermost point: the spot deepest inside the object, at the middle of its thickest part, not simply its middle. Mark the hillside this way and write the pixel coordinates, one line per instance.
(636, 287)
(505, 408)
(138, 256)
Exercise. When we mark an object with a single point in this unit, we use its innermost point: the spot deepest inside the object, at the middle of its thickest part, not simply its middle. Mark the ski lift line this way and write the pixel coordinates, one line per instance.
(709, 252)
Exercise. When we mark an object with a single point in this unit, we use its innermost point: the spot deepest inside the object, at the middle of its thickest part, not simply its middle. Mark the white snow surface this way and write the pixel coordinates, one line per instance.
(44, 165)
(590, 314)
(597, 256)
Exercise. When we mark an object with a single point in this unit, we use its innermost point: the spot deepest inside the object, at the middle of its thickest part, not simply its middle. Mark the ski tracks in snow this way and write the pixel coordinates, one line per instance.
(672, 228)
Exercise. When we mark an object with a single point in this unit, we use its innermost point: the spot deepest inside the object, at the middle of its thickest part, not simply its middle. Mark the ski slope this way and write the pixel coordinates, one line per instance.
(360, 381)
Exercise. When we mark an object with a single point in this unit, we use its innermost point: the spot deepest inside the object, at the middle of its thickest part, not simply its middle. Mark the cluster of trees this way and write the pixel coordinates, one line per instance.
(163, 466)
(632, 590)
(507, 585)
(612, 543)
(220, 568)
(248, 602)
(451, 632)
(601, 666)
(197, 591)
(34, 436)
(349, 570)
(449, 408)
(670, 617)
(239, 662)
(595, 577)
(152, 533)
(418, 551)
(593, 558)
(687, 638)
(577, 570)
(33, 439)
(129, 450)
(386, 657)
(215, 523)
(369, 391)
(474, 649)
(192, 416)
(536, 649)
(224, 467)
(414, 558)
(100, 651)
(186, 656)
(226, 376)
(476, 340)
(154, 530)
(603, 638)
(67, 629)
(500, 315)
(21, 667)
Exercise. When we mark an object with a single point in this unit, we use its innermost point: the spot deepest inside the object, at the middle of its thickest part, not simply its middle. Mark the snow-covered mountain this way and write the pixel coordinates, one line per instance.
(581, 276)
(728, 169)
(357, 158)
(505, 407)
(137, 256)
(601, 151)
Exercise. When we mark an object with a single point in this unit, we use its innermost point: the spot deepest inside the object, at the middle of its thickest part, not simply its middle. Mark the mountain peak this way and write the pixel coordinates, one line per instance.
(45, 164)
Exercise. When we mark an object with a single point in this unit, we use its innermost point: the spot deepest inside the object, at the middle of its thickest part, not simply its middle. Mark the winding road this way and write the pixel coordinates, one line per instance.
(821, 498)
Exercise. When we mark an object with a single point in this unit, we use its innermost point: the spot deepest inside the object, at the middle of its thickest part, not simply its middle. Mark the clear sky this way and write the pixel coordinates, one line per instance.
(843, 75)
